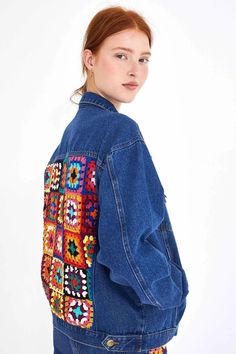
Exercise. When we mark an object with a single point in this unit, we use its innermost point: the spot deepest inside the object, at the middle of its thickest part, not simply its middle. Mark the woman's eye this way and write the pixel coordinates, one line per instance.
(123, 55)
(145, 59)
(120, 55)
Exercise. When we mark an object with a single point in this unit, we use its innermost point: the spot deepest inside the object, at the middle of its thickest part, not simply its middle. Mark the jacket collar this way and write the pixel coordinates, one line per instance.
(93, 98)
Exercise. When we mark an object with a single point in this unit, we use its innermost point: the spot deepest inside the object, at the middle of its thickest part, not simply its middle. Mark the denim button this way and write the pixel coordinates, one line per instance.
(111, 342)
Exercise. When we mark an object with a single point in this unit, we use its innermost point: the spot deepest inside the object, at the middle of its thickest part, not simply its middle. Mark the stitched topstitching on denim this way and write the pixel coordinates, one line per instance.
(126, 247)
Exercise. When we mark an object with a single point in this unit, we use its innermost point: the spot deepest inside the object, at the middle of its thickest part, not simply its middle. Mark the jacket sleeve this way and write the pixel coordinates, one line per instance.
(131, 207)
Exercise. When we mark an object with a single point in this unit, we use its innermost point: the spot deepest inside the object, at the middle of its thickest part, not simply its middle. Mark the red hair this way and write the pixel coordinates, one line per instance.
(106, 22)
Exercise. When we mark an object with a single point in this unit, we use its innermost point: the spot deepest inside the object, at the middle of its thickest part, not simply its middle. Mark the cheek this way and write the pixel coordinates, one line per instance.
(109, 68)
(144, 73)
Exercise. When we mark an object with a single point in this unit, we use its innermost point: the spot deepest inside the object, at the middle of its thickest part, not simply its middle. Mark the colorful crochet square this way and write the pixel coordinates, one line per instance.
(90, 182)
(56, 275)
(60, 213)
(57, 304)
(72, 211)
(89, 211)
(47, 178)
(160, 350)
(49, 237)
(78, 312)
(70, 214)
(52, 206)
(77, 282)
(56, 176)
(58, 242)
(73, 249)
(76, 173)
(45, 268)
(46, 201)
(89, 242)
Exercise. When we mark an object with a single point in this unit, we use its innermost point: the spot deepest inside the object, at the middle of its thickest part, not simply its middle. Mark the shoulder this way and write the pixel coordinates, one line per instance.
(123, 129)
(124, 119)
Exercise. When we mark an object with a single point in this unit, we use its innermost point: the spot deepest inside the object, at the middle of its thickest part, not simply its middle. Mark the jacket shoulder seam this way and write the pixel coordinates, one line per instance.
(118, 147)
(127, 144)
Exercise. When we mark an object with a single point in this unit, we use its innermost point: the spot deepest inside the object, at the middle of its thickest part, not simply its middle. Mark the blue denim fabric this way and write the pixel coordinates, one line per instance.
(110, 269)
(64, 344)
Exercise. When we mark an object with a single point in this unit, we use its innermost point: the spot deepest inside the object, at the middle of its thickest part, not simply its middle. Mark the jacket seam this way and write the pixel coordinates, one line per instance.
(118, 147)
(129, 145)
(100, 162)
(71, 153)
(125, 242)
(98, 105)
(161, 331)
(126, 144)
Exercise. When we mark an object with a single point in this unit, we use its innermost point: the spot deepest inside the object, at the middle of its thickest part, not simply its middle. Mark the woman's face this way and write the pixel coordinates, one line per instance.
(113, 67)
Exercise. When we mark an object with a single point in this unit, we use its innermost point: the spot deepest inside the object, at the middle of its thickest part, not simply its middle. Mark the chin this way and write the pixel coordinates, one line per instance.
(127, 99)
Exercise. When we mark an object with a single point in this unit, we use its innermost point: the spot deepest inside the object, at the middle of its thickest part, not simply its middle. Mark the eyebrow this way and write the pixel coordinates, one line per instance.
(130, 50)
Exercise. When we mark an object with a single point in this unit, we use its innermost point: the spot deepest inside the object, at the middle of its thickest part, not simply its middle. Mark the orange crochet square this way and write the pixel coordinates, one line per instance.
(160, 350)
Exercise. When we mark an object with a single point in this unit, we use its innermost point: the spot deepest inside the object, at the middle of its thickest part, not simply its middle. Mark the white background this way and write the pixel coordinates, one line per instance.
(187, 114)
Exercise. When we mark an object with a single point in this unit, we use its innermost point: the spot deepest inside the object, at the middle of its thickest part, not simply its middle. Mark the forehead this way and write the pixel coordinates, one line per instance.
(131, 40)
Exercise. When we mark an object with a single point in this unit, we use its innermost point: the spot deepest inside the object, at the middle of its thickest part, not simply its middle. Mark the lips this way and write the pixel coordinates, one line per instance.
(132, 83)
(131, 86)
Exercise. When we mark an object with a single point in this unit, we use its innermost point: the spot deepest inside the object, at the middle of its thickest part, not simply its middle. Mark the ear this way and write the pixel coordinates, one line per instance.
(88, 58)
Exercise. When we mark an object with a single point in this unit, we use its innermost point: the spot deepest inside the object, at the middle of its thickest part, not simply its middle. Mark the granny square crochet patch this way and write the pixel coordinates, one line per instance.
(70, 214)
(159, 350)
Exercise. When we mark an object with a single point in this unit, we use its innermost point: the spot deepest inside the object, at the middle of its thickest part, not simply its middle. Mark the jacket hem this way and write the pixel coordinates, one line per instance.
(122, 343)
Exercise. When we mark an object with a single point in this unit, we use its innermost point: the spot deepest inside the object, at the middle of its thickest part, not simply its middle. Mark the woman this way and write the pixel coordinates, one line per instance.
(110, 269)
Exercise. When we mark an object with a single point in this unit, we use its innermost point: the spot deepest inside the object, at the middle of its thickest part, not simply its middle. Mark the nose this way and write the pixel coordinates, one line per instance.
(133, 69)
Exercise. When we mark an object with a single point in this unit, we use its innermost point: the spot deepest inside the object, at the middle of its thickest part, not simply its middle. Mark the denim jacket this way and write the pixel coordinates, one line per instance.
(111, 269)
